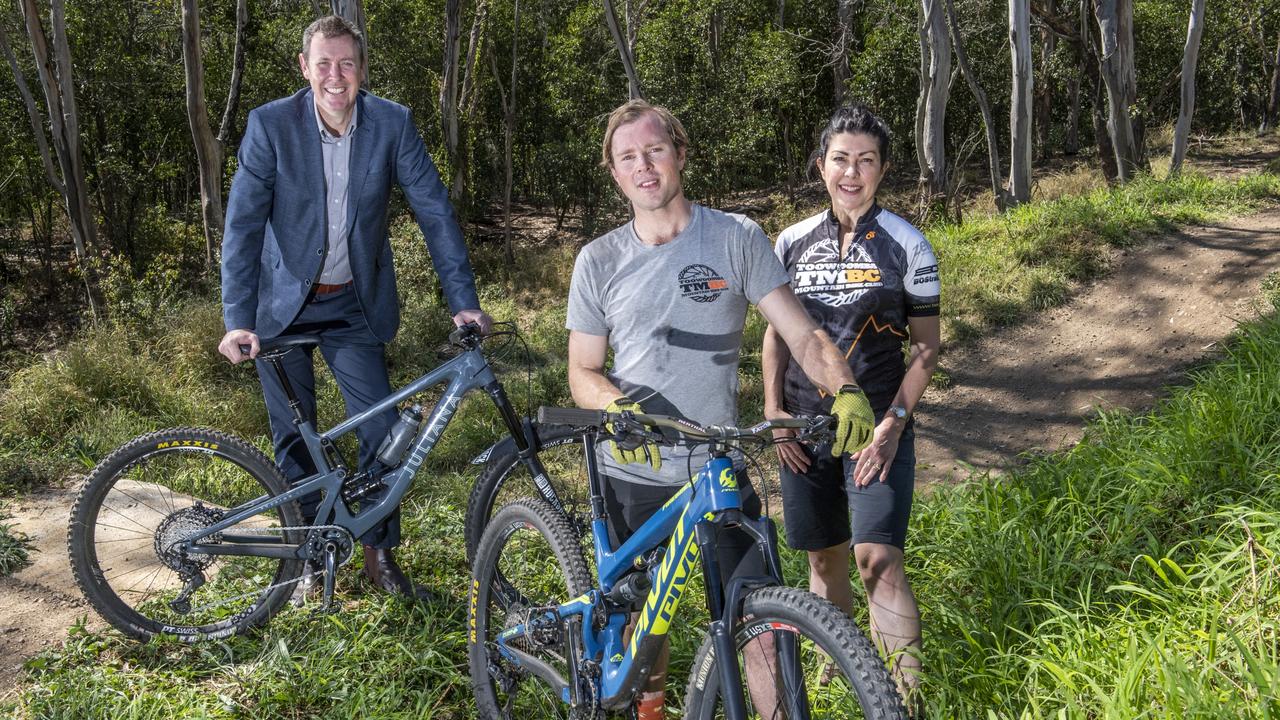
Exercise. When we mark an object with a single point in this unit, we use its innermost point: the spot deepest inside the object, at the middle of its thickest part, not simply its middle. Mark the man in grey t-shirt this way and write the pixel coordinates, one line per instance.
(668, 293)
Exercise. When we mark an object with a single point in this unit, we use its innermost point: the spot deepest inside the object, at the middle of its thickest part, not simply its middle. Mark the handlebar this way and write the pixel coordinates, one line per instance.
(633, 424)
(466, 336)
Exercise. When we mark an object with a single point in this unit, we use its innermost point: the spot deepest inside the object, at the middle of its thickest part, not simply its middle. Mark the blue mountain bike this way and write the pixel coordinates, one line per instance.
(547, 639)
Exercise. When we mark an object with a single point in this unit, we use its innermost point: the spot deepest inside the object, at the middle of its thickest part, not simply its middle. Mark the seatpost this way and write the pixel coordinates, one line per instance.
(294, 403)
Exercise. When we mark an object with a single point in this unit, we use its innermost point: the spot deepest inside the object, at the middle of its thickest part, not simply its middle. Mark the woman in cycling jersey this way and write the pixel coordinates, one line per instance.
(870, 280)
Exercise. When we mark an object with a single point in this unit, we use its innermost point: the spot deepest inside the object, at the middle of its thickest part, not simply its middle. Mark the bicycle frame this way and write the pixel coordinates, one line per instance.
(464, 373)
(688, 523)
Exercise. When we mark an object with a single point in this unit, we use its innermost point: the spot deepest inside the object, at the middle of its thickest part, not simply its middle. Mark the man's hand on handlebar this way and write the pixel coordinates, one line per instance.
(632, 451)
(239, 345)
(477, 316)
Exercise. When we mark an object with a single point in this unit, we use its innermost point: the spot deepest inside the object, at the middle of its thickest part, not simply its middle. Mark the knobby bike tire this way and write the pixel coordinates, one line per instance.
(860, 687)
(534, 548)
(158, 488)
(505, 479)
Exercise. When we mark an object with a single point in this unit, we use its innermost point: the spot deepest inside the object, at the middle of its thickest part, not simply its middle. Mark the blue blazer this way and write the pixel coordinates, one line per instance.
(273, 245)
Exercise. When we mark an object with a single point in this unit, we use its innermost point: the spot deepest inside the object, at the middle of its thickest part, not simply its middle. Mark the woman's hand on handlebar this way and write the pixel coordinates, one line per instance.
(477, 316)
(791, 452)
(239, 345)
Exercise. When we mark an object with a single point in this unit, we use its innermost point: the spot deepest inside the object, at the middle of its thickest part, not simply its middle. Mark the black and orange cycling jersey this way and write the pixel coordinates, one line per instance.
(862, 300)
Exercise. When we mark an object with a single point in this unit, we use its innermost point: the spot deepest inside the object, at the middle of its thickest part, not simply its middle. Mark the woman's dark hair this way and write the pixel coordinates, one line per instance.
(856, 119)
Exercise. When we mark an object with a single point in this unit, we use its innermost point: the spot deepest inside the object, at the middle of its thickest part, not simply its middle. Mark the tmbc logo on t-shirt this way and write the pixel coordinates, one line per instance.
(701, 283)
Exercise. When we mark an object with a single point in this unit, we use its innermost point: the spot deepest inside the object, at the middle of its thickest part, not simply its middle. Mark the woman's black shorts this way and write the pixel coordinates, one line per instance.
(817, 504)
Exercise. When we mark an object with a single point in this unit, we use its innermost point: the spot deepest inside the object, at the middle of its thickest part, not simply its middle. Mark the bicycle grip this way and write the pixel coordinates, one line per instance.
(576, 417)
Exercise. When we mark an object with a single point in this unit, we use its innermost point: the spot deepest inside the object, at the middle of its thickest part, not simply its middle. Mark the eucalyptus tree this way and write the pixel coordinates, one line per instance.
(1115, 26)
(931, 102)
(1190, 57)
(56, 74)
(998, 190)
(210, 150)
(625, 41)
(1020, 129)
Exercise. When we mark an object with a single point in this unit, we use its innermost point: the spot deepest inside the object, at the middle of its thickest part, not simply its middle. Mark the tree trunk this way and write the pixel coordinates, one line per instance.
(55, 72)
(508, 102)
(208, 149)
(984, 107)
(1043, 117)
(449, 82)
(1115, 25)
(225, 128)
(624, 51)
(33, 114)
(840, 50)
(353, 11)
(466, 108)
(931, 108)
(1020, 101)
(1273, 99)
(1190, 56)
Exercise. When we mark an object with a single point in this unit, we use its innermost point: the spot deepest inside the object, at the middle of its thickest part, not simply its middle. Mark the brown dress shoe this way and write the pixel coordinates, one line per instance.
(381, 570)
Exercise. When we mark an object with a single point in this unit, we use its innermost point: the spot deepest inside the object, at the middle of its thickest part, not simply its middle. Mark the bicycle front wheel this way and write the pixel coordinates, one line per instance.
(505, 479)
(803, 658)
(533, 548)
(150, 494)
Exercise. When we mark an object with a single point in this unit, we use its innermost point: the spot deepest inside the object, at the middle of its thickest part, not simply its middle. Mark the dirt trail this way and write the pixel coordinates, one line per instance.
(1164, 306)
(39, 602)
(1117, 344)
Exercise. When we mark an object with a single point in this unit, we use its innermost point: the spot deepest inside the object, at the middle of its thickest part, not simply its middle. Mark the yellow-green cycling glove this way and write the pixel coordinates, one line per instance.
(636, 450)
(855, 423)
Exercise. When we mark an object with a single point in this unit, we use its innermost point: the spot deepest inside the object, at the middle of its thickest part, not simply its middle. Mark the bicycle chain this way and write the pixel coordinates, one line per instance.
(310, 529)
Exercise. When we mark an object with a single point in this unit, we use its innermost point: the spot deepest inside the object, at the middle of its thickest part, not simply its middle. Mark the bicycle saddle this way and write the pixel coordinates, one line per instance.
(277, 347)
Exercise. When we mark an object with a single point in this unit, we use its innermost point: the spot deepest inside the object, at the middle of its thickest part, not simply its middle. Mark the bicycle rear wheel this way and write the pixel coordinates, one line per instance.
(533, 548)
(151, 493)
(836, 673)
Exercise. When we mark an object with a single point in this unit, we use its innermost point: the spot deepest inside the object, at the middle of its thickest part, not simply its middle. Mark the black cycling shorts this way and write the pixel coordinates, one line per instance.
(817, 503)
(630, 504)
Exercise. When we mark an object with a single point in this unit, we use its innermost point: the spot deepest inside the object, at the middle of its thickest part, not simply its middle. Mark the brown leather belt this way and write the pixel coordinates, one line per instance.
(326, 288)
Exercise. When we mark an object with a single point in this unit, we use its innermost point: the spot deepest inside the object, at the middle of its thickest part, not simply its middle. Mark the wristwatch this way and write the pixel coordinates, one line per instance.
(898, 411)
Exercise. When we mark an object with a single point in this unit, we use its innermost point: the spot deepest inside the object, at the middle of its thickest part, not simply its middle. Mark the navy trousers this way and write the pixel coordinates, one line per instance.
(359, 366)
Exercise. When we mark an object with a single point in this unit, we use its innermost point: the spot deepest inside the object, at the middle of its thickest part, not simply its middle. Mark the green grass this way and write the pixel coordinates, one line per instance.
(14, 550)
(1117, 580)
(1133, 576)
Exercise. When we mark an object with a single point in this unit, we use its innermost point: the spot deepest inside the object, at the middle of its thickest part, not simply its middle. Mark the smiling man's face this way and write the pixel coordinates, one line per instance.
(334, 68)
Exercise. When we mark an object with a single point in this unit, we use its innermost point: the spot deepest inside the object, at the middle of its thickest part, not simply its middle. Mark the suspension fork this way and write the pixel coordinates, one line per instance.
(725, 608)
(522, 434)
(735, 705)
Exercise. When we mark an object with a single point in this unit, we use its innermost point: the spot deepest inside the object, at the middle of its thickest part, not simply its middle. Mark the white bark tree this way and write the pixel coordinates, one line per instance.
(626, 50)
(984, 108)
(1115, 26)
(456, 107)
(54, 68)
(210, 150)
(931, 104)
(1020, 128)
(1190, 57)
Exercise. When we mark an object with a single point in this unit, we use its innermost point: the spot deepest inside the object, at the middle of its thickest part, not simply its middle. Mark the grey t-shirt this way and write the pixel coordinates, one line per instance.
(674, 315)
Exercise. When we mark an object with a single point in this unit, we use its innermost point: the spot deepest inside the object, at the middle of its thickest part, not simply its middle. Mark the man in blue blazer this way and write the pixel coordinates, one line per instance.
(306, 249)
